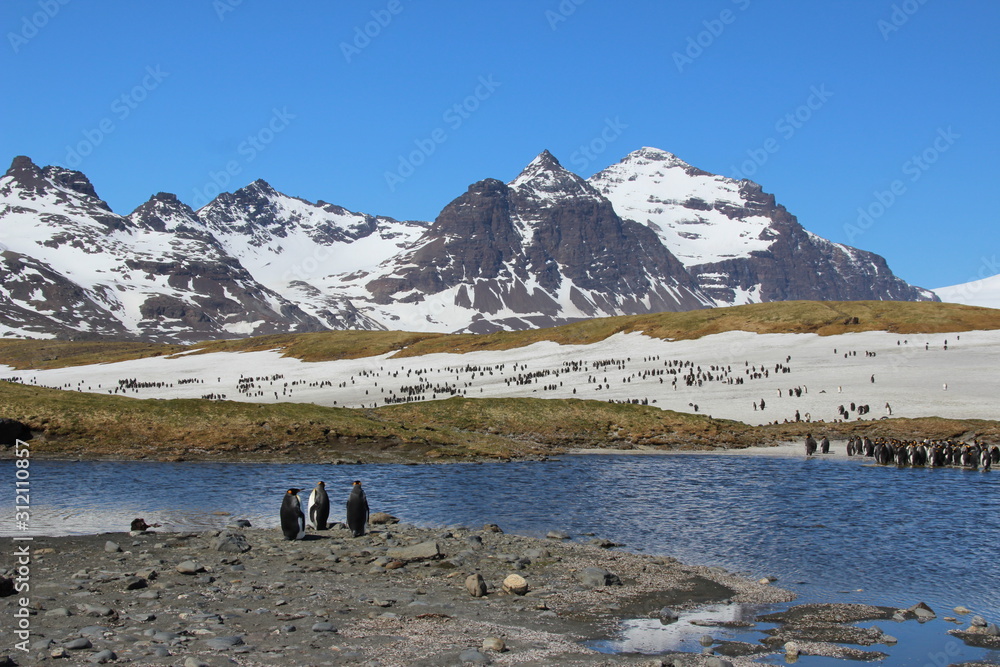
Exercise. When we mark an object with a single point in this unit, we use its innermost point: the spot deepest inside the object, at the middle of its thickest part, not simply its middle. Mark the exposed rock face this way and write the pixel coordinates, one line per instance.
(545, 249)
(737, 242)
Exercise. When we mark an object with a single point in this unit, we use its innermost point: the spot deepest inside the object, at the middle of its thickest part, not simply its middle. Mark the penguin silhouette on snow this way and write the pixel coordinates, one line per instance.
(293, 522)
(357, 510)
(318, 508)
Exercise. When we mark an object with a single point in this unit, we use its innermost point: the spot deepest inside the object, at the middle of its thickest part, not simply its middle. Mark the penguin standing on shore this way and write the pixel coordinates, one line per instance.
(293, 522)
(318, 508)
(357, 510)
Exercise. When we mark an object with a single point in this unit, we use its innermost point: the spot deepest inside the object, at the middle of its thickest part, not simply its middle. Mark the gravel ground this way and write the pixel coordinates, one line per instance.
(397, 596)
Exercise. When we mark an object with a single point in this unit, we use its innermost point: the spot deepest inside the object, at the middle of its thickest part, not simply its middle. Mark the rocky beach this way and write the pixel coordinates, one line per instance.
(400, 595)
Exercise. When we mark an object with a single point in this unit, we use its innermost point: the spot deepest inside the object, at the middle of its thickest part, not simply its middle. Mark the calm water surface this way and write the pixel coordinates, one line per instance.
(831, 530)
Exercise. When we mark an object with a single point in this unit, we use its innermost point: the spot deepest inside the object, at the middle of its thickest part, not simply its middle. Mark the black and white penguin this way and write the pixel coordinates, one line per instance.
(357, 510)
(293, 522)
(318, 508)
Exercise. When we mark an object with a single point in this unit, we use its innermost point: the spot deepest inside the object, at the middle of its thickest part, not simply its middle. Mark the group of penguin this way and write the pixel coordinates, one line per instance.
(934, 454)
(294, 521)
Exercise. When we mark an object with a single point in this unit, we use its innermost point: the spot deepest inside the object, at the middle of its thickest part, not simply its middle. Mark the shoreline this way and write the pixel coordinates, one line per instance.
(398, 596)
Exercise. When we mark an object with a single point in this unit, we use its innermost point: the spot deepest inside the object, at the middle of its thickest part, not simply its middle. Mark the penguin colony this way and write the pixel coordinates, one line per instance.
(926, 453)
(317, 514)
(641, 380)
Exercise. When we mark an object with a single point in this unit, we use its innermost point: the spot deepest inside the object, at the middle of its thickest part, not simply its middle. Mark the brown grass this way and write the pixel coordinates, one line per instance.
(820, 317)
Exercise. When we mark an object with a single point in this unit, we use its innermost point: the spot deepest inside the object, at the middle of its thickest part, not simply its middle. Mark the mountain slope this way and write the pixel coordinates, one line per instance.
(72, 268)
(649, 234)
(542, 250)
(737, 242)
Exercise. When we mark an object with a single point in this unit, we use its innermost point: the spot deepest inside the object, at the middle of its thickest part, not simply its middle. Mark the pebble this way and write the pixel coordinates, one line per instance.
(112, 547)
(78, 644)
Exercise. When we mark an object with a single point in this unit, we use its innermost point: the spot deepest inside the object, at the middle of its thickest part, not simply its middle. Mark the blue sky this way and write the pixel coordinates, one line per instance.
(874, 122)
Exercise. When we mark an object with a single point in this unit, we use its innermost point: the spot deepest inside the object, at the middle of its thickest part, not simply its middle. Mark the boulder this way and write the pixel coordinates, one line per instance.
(476, 585)
(516, 584)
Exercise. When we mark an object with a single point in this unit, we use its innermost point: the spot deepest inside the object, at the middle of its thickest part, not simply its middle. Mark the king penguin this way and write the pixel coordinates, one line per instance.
(293, 522)
(318, 508)
(357, 510)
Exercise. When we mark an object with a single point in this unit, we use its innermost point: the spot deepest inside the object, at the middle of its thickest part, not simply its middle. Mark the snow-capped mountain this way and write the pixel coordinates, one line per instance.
(738, 244)
(984, 292)
(72, 268)
(544, 249)
(648, 234)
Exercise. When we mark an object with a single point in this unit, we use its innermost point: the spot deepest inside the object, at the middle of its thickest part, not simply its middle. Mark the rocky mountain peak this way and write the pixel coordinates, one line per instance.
(544, 178)
(164, 211)
(30, 178)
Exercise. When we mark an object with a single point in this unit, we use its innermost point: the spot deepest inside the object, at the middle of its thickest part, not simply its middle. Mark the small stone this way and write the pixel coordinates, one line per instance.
(603, 544)
(557, 535)
(101, 657)
(992, 630)
(323, 626)
(791, 649)
(922, 611)
(190, 567)
(666, 615)
(94, 631)
(59, 653)
(224, 643)
(706, 640)
(962, 610)
(59, 611)
(78, 644)
(717, 662)
(476, 585)
(978, 621)
(595, 577)
(160, 652)
(888, 640)
(516, 584)
(231, 543)
(494, 644)
(96, 610)
(195, 662)
(491, 528)
(424, 551)
(112, 547)
(288, 628)
(134, 583)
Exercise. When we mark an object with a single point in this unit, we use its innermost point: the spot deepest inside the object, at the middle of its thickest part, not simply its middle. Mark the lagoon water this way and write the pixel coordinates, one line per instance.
(832, 530)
